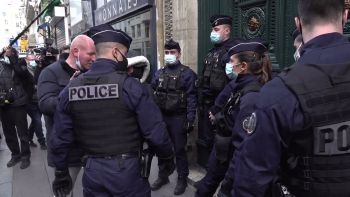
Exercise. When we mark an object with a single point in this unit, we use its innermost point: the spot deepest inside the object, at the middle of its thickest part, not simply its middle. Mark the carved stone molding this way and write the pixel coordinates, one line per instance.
(168, 18)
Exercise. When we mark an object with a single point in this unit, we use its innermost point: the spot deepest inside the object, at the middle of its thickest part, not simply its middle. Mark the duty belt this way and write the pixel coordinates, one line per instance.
(118, 156)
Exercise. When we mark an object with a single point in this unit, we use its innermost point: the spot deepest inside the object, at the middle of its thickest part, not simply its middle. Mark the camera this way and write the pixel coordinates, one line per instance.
(6, 97)
(48, 53)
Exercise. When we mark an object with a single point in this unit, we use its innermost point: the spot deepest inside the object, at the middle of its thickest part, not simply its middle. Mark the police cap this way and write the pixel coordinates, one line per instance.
(220, 20)
(106, 33)
(256, 45)
(171, 44)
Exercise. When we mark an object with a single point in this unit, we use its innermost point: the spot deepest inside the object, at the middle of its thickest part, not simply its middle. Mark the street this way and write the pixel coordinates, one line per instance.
(35, 181)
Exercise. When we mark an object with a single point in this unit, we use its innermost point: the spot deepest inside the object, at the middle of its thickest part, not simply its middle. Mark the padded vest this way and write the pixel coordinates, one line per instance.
(103, 123)
(170, 96)
(318, 158)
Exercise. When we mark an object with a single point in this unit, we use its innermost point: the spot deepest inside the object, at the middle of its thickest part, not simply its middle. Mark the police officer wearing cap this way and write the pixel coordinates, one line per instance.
(176, 96)
(248, 67)
(108, 114)
(213, 78)
(300, 129)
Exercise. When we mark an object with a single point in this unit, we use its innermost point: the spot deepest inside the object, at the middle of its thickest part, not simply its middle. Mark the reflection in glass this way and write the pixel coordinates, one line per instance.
(138, 27)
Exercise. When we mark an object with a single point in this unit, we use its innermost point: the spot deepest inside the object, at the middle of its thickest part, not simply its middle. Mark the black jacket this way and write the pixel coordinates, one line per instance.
(51, 82)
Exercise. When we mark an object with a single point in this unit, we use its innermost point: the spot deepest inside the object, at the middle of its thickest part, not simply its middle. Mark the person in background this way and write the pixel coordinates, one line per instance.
(13, 100)
(64, 52)
(176, 96)
(33, 107)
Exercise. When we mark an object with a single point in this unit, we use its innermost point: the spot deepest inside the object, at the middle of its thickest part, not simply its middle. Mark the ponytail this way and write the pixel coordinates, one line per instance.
(258, 64)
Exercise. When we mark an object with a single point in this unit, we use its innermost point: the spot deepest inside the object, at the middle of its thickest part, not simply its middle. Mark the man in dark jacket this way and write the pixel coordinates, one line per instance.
(52, 80)
(13, 100)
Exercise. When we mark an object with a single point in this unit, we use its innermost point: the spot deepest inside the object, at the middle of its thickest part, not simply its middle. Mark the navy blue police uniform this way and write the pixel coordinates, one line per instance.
(298, 123)
(176, 96)
(234, 103)
(212, 81)
(108, 114)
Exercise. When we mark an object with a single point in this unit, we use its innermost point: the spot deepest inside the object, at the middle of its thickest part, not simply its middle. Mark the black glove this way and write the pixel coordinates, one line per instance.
(188, 126)
(62, 184)
(166, 166)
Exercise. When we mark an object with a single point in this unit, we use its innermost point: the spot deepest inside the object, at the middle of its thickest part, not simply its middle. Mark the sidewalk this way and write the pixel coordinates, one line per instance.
(36, 180)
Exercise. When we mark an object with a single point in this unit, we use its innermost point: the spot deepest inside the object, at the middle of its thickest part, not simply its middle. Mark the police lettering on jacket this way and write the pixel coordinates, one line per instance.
(93, 92)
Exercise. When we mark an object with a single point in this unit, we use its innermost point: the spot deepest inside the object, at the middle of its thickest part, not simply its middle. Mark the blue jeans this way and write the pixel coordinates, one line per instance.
(35, 125)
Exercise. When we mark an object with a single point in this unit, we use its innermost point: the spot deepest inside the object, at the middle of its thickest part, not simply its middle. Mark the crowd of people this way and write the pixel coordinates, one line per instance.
(269, 134)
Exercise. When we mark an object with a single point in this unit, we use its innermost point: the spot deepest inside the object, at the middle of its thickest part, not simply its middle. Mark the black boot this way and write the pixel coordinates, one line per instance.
(43, 146)
(25, 163)
(180, 185)
(14, 160)
(159, 183)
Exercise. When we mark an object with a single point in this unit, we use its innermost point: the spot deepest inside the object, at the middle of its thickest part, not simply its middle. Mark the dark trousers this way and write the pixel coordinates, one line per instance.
(35, 125)
(178, 136)
(215, 174)
(114, 177)
(205, 128)
(14, 122)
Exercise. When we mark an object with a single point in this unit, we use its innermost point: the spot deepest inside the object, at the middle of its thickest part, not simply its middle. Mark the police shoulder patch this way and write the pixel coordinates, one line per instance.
(249, 124)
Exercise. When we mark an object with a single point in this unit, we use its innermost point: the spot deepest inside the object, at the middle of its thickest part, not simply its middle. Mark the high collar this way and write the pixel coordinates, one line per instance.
(322, 41)
(103, 65)
(222, 43)
(173, 66)
(244, 79)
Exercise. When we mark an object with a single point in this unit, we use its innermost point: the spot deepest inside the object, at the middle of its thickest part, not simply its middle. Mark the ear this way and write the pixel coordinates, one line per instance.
(179, 55)
(297, 23)
(345, 17)
(244, 66)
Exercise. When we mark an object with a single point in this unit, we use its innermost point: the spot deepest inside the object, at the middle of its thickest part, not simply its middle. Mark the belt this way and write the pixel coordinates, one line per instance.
(118, 156)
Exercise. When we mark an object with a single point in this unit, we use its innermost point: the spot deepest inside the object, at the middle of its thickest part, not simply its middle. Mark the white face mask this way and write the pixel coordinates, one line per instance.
(297, 53)
(7, 60)
(170, 59)
(77, 62)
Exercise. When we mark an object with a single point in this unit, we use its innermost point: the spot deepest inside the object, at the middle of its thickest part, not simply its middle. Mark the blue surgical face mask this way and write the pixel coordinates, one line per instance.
(33, 63)
(229, 71)
(170, 59)
(215, 37)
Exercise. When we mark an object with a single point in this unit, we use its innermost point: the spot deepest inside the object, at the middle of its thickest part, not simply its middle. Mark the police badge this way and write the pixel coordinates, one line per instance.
(249, 123)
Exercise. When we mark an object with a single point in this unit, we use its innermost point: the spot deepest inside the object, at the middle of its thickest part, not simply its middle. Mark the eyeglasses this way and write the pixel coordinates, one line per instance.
(171, 52)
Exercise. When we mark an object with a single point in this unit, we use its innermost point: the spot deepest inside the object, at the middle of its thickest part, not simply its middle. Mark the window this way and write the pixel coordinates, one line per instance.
(138, 30)
(133, 31)
(147, 29)
(138, 27)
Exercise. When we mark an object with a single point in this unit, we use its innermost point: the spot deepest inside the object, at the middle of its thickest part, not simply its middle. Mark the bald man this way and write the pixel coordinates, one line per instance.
(53, 79)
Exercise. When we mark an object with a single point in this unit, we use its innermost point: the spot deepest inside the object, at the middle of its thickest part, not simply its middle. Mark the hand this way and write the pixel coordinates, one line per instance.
(62, 184)
(188, 127)
(212, 118)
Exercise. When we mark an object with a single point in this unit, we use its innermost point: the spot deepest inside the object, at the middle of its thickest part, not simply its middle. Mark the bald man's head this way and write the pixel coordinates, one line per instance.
(82, 52)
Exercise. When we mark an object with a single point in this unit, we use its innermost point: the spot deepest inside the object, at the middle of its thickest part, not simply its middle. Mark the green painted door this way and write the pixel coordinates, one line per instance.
(272, 20)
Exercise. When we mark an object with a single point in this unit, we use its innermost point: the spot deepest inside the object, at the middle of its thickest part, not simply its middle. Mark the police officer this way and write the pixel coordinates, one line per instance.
(300, 126)
(112, 137)
(176, 96)
(248, 68)
(213, 78)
